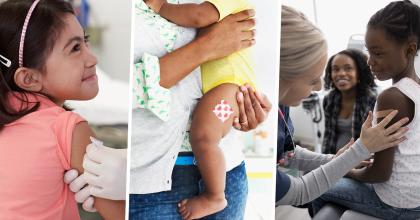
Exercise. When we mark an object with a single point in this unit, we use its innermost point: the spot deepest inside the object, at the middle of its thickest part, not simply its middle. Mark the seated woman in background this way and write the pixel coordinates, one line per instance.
(352, 96)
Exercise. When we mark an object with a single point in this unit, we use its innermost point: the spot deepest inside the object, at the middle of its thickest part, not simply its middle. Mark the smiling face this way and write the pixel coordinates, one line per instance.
(344, 72)
(70, 69)
(293, 91)
(387, 58)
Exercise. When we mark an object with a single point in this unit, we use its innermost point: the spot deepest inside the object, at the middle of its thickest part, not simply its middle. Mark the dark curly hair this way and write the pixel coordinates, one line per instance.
(366, 82)
(400, 20)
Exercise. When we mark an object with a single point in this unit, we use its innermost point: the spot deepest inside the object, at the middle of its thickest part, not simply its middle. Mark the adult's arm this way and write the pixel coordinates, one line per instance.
(190, 14)
(306, 160)
(231, 34)
(313, 184)
(372, 139)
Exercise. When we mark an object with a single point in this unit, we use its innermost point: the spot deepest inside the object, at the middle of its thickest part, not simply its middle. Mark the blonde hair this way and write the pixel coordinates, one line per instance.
(302, 43)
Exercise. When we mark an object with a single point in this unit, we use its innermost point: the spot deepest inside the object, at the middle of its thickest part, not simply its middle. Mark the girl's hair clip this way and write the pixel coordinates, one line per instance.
(5, 61)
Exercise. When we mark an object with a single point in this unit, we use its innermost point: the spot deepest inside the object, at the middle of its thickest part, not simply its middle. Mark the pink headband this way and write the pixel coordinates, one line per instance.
(22, 36)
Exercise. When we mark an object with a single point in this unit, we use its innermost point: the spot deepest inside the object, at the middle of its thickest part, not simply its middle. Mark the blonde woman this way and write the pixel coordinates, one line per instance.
(303, 57)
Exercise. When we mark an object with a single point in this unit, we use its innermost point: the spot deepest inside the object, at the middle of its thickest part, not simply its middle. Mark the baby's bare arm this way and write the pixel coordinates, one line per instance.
(190, 15)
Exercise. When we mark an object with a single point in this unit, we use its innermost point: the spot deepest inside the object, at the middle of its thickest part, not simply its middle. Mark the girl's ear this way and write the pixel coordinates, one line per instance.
(28, 79)
(412, 49)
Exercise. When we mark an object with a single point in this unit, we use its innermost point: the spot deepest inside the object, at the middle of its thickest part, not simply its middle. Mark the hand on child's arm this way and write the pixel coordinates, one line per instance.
(381, 169)
(253, 109)
(221, 39)
(105, 171)
(108, 209)
(79, 186)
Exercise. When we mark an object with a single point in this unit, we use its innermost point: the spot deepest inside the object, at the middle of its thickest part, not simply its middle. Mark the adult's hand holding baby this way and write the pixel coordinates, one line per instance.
(233, 33)
(253, 108)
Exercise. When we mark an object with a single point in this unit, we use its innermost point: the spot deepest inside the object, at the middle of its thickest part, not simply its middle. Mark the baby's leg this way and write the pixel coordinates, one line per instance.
(212, 119)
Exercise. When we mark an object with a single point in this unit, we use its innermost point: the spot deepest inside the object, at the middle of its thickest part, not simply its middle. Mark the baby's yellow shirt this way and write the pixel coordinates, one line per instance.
(237, 68)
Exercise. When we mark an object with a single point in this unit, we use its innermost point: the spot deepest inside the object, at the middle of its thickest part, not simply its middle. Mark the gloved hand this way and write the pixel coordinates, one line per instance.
(79, 186)
(105, 170)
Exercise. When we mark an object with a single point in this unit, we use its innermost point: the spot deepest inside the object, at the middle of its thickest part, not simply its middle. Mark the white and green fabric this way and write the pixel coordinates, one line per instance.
(147, 91)
(168, 31)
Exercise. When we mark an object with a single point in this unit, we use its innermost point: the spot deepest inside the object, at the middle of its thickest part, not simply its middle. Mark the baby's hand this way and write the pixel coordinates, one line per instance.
(155, 5)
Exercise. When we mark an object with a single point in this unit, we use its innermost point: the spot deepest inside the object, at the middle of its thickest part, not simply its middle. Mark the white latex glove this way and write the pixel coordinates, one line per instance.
(78, 185)
(105, 170)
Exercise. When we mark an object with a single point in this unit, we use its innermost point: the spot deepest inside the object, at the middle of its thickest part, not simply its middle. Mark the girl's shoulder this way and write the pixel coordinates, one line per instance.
(394, 98)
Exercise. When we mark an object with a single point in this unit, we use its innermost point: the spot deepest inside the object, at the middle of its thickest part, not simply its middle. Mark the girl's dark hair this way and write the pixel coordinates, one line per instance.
(45, 25)
(400, 20)
(366, 82)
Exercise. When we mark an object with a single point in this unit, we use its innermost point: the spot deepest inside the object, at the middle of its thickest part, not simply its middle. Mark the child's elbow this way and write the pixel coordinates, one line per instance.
(385, 176)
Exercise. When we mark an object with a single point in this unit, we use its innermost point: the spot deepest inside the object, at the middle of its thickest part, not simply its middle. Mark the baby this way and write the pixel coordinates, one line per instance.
(213, 116)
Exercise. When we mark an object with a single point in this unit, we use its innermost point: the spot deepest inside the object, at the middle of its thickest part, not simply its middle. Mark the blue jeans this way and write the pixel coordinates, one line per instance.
(186, 183)
(361, 197)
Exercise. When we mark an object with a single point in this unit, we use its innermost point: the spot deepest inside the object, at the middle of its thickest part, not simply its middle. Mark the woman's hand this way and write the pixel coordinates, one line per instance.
(253, 109)
(79, 186)
(105, 170)
(379, 138)
(229, 35)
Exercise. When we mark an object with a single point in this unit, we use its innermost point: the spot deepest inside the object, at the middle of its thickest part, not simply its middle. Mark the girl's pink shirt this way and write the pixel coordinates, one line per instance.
(35, 153)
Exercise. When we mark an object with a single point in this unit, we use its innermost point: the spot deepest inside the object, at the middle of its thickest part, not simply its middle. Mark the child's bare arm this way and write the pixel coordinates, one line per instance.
(108, 209)
(381, 169)
(190, 15)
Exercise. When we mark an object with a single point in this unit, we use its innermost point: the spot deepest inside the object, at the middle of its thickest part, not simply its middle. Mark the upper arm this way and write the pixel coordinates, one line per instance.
(190, 14)
(81, 138)
(391, 98)
(79, 142)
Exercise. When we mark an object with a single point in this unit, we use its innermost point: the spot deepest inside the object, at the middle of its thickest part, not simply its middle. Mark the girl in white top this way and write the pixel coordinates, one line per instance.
(393, 39)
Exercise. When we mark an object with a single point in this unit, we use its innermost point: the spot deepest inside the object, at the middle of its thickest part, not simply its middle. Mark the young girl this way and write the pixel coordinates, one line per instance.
(352, 85)
(392, 38)
(214, 113)
(45, 60)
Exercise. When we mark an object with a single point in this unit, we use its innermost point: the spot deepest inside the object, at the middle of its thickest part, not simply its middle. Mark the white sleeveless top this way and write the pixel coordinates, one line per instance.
(402, 190)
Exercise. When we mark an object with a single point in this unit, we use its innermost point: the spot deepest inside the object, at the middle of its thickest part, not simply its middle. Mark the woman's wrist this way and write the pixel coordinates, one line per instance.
(201, 49)
(361, 148)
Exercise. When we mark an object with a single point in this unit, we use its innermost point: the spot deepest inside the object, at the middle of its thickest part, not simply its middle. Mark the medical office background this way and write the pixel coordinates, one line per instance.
(343, 24)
